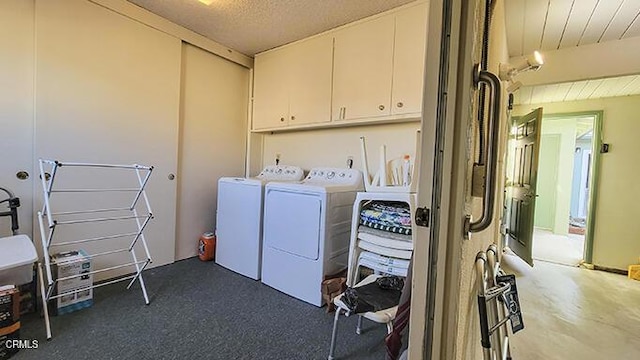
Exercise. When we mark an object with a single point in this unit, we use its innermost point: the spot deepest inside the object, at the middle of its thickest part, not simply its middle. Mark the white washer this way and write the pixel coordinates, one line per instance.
(307, 228)
(239, 218)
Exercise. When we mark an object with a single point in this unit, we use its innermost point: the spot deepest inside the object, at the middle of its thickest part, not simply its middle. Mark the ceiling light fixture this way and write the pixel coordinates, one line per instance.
(532, 62)
(206, 2)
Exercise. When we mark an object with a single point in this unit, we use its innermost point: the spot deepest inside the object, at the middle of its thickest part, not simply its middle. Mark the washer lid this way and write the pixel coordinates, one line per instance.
(243, 181)
(16, 251)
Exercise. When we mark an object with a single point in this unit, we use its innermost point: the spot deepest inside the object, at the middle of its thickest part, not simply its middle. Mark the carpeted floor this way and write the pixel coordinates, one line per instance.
(198, 311)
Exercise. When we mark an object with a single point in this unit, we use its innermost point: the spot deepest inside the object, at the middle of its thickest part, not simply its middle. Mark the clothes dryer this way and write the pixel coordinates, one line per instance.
(307, 228)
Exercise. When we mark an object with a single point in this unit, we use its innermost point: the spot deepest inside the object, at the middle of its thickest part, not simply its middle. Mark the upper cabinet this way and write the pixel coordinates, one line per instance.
(292, 85)
(363, 68)
(271, 90)
(370, 71)
(408, 60)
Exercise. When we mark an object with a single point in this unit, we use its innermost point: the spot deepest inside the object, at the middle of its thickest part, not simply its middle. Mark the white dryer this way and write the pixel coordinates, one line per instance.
(307, 228)
(239, 218)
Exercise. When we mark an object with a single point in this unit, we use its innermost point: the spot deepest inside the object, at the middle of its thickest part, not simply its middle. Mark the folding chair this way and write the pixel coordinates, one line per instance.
(383, 256)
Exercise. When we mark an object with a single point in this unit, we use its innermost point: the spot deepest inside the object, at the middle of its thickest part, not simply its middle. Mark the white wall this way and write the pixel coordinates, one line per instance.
(331, 147)
(616, 242)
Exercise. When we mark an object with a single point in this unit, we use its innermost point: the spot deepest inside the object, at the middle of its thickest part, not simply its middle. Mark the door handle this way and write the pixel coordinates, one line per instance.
(488, 198)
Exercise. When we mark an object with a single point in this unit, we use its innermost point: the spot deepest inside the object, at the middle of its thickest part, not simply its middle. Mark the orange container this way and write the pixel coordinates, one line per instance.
(207, 246)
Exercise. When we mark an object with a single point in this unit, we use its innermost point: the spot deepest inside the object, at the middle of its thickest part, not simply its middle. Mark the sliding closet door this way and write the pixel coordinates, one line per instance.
(213, 133)
(16, 109)
(108, 91)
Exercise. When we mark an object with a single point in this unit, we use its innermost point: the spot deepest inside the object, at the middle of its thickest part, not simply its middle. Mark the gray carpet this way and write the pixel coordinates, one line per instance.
(198, 311)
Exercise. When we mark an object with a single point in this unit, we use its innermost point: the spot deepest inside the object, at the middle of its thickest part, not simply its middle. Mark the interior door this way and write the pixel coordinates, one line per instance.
(108, 91)
(213, 133)
(16, 110)
(521, 184)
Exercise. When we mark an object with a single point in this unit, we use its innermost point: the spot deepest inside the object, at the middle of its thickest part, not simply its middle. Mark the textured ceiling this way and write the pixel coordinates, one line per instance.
(556, 24)
(252, 26)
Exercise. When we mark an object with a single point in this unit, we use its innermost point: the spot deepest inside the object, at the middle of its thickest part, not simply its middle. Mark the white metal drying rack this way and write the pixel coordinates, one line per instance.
(47, 231)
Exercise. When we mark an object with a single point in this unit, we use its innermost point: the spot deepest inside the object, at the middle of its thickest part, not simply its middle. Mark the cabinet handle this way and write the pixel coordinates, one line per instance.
(282, 119)
(400, 104)
(381, 107)
(293, 117)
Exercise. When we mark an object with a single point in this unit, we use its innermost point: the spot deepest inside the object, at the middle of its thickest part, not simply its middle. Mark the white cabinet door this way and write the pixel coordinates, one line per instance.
(16, 109)
(107, 91)
(213, 136)
(310, 81)
(363, 66)
(408, 61)
(271, 90)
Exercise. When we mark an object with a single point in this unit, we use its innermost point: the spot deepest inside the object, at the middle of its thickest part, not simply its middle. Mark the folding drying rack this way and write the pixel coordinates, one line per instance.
(50, 220)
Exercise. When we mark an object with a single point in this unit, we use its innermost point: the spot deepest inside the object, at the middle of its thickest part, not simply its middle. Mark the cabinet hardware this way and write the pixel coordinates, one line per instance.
(171, 177)
(381, 107)
(293, 117)
(282, 119)
(400, 104)
(22, 175)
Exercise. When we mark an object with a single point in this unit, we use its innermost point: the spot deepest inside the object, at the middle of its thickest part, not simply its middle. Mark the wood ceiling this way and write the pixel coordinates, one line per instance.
(556, 24)
(549, 25)
(578, 90)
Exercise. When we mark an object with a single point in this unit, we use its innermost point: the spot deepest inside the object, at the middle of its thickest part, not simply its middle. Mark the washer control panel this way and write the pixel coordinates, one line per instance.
(282, 173)
(334, 176)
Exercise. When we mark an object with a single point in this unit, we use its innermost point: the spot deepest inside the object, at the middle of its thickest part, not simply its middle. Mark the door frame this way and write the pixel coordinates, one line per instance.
(594, 173)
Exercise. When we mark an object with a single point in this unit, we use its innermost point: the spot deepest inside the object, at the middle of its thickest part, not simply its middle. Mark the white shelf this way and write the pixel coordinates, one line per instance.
(362, 198)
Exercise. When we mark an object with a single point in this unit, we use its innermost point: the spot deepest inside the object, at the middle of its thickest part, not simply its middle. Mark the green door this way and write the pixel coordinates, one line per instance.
(521, 184)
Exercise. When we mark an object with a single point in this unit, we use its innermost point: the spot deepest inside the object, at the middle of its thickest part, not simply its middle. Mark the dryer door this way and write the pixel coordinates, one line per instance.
(292, 223)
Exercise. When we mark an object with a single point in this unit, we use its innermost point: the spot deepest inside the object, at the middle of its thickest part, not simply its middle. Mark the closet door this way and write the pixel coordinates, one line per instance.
(107, 91)
(213, 132)
(16, 109)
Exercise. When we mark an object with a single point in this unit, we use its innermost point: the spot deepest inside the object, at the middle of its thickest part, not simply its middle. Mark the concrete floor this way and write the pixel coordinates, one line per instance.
(559, 249)
(574, 313)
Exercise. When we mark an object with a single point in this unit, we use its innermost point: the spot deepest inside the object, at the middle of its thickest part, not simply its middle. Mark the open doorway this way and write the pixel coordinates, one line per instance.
(564, 188)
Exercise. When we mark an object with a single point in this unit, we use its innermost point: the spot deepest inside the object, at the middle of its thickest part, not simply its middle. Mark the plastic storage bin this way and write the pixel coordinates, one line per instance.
(16, 260)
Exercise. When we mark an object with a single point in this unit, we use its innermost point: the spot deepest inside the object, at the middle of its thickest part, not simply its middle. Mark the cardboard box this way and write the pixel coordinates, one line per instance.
(9, 319)
(29, 295)
(72, 264)
(9, 306)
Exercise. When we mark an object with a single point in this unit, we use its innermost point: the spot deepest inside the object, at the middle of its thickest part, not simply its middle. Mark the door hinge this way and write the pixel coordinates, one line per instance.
(422, 217)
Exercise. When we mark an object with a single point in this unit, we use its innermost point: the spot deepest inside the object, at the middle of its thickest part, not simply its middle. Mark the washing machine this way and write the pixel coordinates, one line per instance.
(307, 229)
(239, 218)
